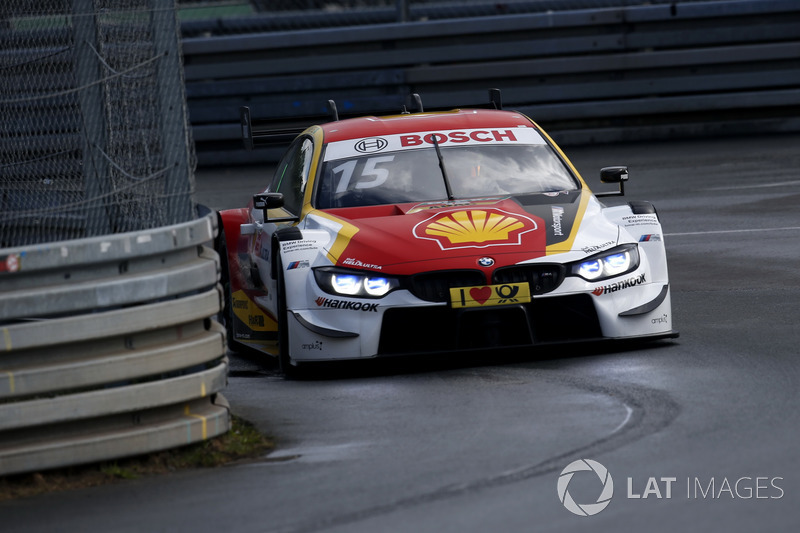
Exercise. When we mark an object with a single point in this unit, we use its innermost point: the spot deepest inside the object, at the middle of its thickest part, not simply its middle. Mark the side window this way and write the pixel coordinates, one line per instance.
(291, 175)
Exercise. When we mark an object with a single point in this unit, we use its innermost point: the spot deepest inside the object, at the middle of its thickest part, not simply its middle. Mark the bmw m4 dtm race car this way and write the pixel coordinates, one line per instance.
(436, 232)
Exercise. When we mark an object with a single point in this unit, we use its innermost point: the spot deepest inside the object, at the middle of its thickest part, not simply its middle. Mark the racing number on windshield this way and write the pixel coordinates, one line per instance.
(375, 177)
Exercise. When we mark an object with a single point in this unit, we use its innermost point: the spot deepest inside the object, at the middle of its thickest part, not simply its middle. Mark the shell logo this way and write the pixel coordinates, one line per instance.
(474, 228)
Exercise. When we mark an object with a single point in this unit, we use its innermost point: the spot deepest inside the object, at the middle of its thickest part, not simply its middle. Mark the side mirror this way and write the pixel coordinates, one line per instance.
(613, 175)
(267, 200)
(271, 200)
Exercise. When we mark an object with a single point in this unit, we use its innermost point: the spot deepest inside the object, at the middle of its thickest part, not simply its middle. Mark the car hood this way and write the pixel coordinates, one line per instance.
(410, 238)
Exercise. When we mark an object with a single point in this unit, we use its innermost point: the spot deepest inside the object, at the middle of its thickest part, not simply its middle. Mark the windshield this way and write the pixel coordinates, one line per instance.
(413, 175)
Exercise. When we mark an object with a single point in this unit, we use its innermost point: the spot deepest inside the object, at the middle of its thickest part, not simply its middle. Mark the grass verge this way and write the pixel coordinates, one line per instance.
(242, 442)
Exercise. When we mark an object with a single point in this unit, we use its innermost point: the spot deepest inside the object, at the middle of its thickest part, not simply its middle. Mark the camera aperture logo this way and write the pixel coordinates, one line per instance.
(585, 509)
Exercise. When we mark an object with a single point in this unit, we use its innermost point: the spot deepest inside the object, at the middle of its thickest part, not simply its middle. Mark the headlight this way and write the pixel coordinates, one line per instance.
(345, 284)
(614, 262)
(359, 284)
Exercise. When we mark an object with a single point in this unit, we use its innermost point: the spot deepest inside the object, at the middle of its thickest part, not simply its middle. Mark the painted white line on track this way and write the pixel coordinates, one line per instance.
(313, 454)
(717, 232)
(624, 422)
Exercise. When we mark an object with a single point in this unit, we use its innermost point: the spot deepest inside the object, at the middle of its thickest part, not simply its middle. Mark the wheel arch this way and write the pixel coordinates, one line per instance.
(230, 222)
(290, 233)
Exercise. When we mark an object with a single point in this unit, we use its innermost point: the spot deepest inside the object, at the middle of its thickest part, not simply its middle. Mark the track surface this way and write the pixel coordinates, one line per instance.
(478, 444)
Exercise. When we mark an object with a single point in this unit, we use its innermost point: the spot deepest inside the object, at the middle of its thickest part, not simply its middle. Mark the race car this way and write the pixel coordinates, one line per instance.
(435, 232)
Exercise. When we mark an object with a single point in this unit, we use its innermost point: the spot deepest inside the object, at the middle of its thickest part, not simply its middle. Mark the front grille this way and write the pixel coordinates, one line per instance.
(443, 329)
(541, 278)
(565, 318)
(435, 286)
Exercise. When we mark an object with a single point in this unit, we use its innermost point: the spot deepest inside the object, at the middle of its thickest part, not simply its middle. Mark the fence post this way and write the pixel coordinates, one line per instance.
(173, 115)
(93, 126)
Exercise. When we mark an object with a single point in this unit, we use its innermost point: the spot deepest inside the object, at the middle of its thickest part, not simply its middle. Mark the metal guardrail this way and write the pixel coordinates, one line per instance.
(107, 349)
(594, 75)
(279, 15)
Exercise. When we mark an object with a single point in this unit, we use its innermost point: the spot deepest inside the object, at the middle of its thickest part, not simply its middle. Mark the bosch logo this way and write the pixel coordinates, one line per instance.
(368, 146)
(586, 509)
(472, 136)
(485, 261)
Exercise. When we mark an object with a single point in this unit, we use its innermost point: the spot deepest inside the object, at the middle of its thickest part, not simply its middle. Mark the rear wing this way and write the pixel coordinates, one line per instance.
(279, 130)
(266, 132)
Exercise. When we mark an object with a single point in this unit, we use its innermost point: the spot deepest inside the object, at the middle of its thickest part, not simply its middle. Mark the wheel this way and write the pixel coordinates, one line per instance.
(225, 315)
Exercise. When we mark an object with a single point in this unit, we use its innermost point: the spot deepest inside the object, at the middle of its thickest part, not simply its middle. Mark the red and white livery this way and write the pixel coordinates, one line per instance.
(436, 232)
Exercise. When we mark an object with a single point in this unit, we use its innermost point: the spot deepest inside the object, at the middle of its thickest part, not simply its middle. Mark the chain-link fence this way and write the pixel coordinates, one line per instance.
(93, 120)
(220, 17)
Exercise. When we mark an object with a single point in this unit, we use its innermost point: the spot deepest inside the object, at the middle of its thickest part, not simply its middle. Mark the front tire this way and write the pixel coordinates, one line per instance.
(225, 315)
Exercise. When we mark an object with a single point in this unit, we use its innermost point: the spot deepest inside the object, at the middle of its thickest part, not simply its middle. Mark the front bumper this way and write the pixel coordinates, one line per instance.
(415, 329)
(442, 329)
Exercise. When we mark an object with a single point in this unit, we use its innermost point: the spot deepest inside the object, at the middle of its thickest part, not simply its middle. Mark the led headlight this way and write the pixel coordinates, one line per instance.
(345, 284)
(360, 284)
(608, 264)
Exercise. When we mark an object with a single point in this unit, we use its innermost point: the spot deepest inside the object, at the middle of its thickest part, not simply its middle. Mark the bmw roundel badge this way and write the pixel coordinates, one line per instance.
(485, 261)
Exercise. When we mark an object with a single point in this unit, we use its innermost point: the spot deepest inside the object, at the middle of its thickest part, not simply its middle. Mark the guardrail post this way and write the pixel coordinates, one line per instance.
(403, 13)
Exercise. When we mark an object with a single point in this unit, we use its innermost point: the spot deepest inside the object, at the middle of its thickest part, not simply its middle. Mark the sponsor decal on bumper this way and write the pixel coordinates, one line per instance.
(343, 304)
(490, 295)
(620, 285)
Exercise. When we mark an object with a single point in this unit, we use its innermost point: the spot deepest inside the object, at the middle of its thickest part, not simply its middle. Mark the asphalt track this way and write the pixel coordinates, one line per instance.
(700, 433)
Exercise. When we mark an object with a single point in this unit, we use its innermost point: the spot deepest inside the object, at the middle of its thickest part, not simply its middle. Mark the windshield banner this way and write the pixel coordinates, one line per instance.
(447, 138)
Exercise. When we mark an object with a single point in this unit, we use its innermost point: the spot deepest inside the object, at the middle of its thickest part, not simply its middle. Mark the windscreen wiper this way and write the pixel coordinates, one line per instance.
(442, 167)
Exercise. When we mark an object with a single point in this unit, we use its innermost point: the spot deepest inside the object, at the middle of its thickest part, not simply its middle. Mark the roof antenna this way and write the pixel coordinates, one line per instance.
(246, 122)
(447, 188)
(418, 102)
(334, 113)
(495, 98)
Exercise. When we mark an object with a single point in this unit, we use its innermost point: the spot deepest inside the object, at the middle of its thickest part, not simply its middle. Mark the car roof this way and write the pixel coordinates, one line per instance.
(457, 119)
